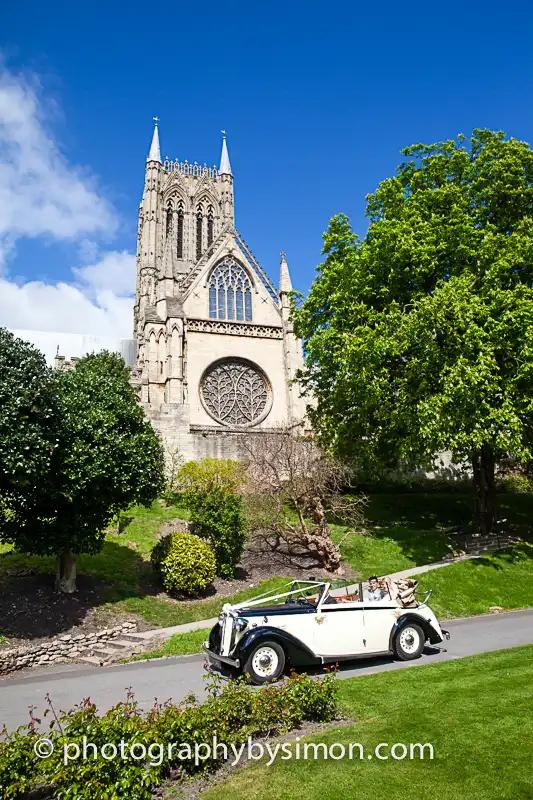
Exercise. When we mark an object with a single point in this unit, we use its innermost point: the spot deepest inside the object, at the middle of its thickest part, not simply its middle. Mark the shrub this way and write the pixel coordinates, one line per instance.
(219, 518)
(19, 763)
(212, 473)
(184, 562)
(168, 733)
(514, 483)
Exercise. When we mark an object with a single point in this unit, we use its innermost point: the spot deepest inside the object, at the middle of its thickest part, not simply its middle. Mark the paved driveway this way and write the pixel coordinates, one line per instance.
(176, 677)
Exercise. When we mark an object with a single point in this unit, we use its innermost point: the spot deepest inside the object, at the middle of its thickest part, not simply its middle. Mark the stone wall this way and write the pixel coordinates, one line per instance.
(63, 648)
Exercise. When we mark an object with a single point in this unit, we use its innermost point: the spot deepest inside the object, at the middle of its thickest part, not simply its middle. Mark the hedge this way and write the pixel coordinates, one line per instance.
(168, 733)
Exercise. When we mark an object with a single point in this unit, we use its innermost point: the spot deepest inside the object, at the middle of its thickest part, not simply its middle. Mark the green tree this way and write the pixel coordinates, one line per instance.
(211, 488)
(29, 434)
(419, 338)
(107, 457)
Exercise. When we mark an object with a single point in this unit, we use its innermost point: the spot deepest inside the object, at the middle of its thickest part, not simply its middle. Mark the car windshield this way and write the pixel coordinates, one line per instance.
(303, 590)
(293, 592)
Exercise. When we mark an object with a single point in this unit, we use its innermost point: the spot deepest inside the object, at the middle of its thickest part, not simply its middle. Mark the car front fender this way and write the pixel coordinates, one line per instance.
(432, 635)
(296, 651)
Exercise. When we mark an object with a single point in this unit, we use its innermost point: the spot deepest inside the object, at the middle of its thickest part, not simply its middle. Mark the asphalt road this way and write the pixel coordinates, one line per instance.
(176, 677)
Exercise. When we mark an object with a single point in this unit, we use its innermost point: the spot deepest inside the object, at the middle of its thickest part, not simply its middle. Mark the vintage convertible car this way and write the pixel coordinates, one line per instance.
(318, 622)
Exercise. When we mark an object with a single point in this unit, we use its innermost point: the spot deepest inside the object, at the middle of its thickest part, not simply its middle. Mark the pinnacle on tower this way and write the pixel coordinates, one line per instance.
(225, 166)
(155, 154)
(285, 283)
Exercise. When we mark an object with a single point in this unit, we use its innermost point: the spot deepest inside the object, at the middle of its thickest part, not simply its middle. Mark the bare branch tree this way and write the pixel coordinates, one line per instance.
(174, 460)
(294, 491)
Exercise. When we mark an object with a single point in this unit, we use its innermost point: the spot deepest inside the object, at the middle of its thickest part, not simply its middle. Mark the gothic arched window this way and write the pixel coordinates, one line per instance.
(199, 226)
(230, 292)
(210, 224)
(179, 238)
(170, 213)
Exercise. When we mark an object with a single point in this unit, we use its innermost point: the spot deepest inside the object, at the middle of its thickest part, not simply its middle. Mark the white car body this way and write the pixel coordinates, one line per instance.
(332, 628)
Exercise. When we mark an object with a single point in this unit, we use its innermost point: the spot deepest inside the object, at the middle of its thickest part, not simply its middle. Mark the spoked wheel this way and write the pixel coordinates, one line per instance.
(409, 642)
(265, 663)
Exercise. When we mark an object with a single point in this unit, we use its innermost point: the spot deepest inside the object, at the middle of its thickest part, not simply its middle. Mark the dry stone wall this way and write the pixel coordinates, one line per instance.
(60, 649)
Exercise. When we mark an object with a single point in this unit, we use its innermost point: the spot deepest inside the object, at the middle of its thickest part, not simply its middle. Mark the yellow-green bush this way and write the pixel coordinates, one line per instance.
(212, 474)
(185, 563)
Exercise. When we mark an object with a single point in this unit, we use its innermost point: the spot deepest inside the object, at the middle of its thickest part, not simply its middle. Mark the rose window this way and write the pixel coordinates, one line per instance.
(236, 392)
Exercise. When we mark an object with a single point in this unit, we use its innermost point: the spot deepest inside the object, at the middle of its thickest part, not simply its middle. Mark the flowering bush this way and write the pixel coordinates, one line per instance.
(158, 745)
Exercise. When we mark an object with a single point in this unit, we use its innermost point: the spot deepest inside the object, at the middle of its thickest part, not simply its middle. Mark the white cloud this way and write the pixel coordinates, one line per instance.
(114, 271)
(63, 307)
(42, 195)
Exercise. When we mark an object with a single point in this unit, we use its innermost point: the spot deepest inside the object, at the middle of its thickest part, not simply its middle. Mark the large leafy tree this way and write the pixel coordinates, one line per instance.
(111, 458)
(29, 433)
(419, 338)
(107, 456)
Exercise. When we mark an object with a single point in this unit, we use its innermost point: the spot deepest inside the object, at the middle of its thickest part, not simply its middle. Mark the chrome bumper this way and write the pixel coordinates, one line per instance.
(233, 662)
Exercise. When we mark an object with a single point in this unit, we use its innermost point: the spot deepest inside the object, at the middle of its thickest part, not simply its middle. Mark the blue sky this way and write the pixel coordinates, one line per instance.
(318, 99)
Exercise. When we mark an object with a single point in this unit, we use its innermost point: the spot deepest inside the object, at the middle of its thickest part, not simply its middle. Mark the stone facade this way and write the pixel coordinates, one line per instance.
(216, 351)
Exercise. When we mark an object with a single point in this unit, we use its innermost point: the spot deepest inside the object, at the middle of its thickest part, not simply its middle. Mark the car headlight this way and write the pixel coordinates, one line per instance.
(241, 624)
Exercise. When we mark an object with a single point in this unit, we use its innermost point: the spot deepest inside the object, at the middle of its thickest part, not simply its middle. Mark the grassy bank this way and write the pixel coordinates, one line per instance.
(501, 579)
(182, 644)
(476, 712)
(407, 530)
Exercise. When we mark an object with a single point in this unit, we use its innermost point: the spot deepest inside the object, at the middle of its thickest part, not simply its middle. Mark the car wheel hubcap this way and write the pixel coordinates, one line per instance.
(265, 662)
(409, 640)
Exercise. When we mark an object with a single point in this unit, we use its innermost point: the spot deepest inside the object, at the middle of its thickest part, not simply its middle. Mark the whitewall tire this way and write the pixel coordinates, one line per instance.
(265, 662)
(409, 642)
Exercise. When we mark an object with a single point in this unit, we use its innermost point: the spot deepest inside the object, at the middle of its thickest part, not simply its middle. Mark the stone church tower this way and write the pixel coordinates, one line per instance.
(216, 352)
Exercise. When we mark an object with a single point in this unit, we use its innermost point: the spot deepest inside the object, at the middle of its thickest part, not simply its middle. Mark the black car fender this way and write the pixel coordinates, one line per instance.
(426, 626)
(215, 638)
(297, 652)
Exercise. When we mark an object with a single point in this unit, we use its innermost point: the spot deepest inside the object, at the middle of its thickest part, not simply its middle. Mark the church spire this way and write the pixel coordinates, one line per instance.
(155, 154)
(225, 166)
(285, 283)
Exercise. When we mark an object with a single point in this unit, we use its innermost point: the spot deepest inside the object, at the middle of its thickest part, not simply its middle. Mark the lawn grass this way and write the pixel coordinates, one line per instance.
(118, 561)
(412, 529)
(165, 613)
(476, 712)
(407, 530)
(182, 644)
(500, 579)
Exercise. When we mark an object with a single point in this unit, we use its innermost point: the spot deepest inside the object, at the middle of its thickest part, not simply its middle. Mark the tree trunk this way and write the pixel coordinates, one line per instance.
(319, 541)
(66, 572)
(484, 489)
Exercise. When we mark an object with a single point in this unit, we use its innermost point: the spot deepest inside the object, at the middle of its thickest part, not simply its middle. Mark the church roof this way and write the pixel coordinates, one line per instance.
(252, 261)
(229, 231)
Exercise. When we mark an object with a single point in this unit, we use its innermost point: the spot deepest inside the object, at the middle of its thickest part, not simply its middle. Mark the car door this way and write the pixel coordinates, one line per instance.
(379, 619)
(339, 629)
